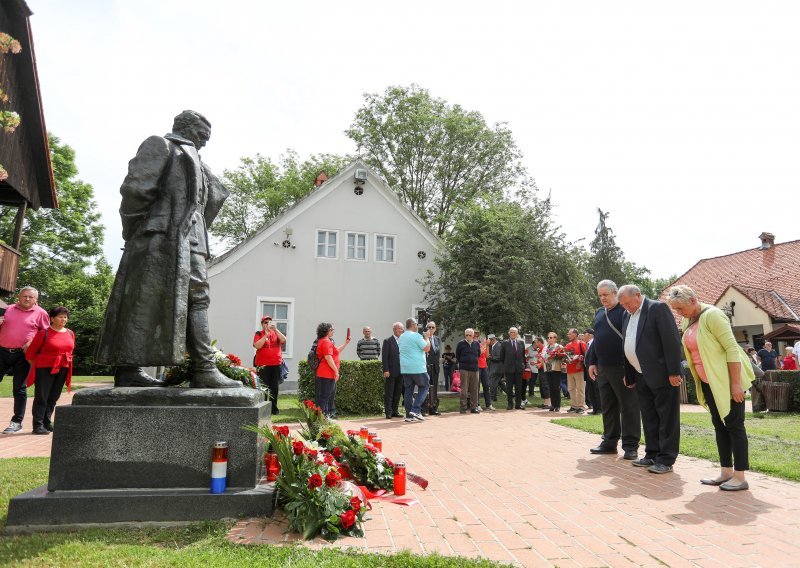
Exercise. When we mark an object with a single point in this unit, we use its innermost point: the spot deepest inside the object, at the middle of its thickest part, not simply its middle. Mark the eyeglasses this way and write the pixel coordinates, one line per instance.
(551, 337)
(431, 327)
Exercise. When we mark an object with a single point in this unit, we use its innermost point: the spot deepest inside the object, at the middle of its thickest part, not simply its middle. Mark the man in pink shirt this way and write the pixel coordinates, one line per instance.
(18, 325)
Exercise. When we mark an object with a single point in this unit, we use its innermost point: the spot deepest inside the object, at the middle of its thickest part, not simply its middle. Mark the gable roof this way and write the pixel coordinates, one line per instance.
(769, 277)
(317, 194)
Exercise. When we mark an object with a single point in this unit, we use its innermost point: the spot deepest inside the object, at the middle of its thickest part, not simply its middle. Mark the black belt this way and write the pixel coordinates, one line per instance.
(11, 350)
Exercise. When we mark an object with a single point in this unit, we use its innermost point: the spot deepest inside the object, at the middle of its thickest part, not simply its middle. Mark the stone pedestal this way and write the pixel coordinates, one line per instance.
(131, 455)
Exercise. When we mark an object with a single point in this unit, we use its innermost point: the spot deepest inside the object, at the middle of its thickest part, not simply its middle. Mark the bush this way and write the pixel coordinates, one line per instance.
(691, 390)
(791, 377)
(359, 390)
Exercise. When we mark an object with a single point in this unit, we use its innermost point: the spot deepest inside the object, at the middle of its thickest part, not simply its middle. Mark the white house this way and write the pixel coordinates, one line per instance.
(349, 253)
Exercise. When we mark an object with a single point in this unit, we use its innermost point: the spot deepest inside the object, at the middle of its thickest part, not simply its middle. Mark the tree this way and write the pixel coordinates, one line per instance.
(607, 261)
(439, 158)
(62, 254)
(262, 190)
(507, 264)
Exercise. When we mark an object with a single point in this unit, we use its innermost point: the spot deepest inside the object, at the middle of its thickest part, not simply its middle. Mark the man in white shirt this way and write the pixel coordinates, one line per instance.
(653, 355)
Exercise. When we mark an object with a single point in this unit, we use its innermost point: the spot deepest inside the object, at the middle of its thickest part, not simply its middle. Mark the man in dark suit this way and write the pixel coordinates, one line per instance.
(512, 355)
(431, 405)
(606, 361)
(392, 377)
(653, 361)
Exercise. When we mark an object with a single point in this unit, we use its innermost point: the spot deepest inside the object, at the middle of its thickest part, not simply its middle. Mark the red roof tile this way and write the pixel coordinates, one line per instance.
(770, 278)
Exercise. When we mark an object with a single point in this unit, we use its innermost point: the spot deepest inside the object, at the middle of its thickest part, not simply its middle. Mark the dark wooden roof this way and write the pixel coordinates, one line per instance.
(25, 153)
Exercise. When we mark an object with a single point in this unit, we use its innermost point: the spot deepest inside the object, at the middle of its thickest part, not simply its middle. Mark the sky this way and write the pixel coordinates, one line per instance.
(681, 119)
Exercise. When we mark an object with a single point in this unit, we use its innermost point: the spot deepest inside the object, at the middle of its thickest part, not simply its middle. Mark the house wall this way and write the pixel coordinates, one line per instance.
(344, 292)
(746, 313)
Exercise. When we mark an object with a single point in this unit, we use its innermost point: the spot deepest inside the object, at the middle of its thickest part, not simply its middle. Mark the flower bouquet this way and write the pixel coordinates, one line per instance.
(310, 488)
(228, 364)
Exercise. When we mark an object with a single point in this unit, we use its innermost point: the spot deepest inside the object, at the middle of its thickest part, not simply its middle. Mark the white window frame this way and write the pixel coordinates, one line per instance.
(394, 247)
(288, 354)
(347, 246)
(316, 243)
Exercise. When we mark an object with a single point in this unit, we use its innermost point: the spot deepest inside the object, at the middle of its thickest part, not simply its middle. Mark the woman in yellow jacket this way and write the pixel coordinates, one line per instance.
(722, 373)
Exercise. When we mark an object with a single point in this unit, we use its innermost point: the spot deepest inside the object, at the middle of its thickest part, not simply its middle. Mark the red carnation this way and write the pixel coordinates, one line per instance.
(311, 453)
(353, 432)
(337, 452)
(332, 478)
(355, 503)
(308, 404)
(297, 447)
(348, 518)
(389, 462)
(235, 360)
(282, 430)
(371, 449)
(326, 435)
(314, 481)
(328, 459)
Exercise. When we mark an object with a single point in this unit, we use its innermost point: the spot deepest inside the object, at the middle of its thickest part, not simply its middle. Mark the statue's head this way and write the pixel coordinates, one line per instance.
(192, 126)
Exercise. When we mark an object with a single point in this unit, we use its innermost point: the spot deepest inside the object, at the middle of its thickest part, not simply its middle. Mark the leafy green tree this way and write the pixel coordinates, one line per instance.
(439, 158)
(62, 254)
(262, 190)
(507, 264)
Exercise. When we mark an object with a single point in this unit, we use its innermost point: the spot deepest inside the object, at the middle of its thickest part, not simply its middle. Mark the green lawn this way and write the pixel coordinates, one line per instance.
(201, 544)
(774, 439)
(6, 385)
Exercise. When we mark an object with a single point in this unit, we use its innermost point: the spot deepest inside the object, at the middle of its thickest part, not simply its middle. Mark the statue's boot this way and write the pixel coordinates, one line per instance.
(134, 377)
(205, 374)
(212, 379)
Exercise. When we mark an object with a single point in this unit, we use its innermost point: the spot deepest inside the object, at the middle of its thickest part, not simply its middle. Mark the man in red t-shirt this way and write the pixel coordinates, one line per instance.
(575, 384)
(269, 355)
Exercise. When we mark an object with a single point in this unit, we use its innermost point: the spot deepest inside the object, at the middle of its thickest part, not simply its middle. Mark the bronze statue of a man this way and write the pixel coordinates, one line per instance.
(159, 304)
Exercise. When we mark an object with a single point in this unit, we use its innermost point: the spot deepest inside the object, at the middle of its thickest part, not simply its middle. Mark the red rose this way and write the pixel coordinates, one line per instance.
(297, 447)
(337, 452)
(314, 481)
(348, 518)
(328, 459)
(355, 503)
(332, 478)
(326, 435)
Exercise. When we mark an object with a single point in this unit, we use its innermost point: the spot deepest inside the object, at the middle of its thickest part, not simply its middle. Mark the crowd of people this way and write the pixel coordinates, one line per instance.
(628, 366)
(36, 348)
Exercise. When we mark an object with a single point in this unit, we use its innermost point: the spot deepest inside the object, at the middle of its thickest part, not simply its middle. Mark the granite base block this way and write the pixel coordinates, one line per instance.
(104, 445)
(41, 510)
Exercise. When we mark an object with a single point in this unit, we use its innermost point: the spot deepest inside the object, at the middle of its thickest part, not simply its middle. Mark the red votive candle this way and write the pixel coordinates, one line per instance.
(364, 433)
(400, 478)
(371, 435)
(377, 443)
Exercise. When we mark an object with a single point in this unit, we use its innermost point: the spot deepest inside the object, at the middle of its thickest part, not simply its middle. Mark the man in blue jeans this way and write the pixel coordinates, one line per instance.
(413, 348)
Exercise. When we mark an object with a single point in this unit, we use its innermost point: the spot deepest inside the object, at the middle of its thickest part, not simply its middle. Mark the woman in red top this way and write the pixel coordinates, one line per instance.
(789, 361)
(268, 344)
(50, 354)
(328, 369)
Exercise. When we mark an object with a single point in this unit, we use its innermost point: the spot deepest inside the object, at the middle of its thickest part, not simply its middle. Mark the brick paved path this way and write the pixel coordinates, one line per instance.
(25, 443)
(513, 487)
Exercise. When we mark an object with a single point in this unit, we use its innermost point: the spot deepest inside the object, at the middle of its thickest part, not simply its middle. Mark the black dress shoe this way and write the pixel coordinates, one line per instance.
(510, 407)
(388, 417)
(41, 431)
(603, 450)
(435, 413)
(396, 415)
(630, 454)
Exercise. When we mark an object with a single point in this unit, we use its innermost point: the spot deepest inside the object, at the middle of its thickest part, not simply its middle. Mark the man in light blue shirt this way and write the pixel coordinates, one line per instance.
(413, 348)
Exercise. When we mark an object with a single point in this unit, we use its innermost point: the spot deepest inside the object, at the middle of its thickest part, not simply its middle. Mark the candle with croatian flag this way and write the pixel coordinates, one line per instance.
(219, 467)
